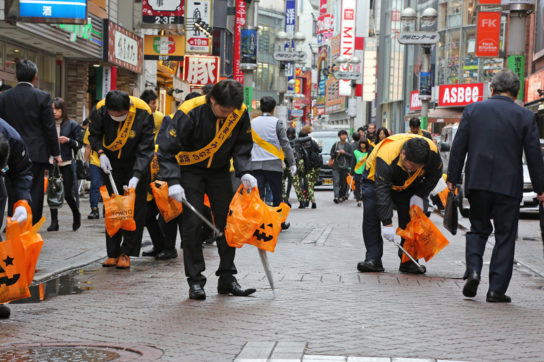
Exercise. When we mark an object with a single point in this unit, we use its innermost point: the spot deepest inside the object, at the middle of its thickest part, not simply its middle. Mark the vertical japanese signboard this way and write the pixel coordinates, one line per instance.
(239, 22)
(517, 64)
(201, 70)
(122, 47)
(162, 13)
(249, 47)
(322, 76)
(488, 34)
(347, 43)
(197, 40)
(290, 26)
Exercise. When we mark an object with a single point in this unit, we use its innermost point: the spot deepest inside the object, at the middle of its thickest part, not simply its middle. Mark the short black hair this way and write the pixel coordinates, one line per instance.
(268, 104)
(192, 95)
(385, 130)
(25, 70)
(414, 122)
(85, 122)
(206, 89)
(341, 132)
(417, 150)
(356, 136)
(148, 95)
(227, 93)
(360, 129)
(363, 141)
(117, 100)
(4, 150)
(291, 132)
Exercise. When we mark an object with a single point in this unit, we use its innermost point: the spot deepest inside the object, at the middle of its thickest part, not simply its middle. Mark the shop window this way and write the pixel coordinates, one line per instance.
(455, 13)
(470, 17)
(448, 57)
(470, 66)
(13, 55)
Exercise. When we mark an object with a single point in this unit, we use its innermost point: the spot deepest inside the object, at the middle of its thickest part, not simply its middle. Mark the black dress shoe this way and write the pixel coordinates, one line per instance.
(196, 292)
(496, 297)
(151, 252)
(53, 227)
(4, 311)
(285, 225)
(232, 287)
(370, 266)
(314, 205)
(471, 285)
(77, 222)
(410, 268)
(167, 254)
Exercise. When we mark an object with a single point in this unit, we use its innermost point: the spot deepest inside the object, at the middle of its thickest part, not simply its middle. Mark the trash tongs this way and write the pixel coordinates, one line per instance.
(408, 254)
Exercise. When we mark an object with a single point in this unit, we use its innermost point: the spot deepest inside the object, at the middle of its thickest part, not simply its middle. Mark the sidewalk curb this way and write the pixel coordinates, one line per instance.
(46, 277)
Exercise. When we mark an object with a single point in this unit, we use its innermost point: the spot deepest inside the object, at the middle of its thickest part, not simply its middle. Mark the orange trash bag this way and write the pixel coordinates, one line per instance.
(351, 182)
(119, 210)
(18, 256)
(168, 207)
(422, 239)
(45, 184)
(251, 221)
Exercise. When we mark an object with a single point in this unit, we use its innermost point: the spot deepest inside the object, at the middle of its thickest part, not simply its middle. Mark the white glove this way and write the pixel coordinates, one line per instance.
(176, 192)
(293, 170)
(416, 200)
(249, 181)
(19, 214)
(133, 182)
(105, 164)
(388, 232)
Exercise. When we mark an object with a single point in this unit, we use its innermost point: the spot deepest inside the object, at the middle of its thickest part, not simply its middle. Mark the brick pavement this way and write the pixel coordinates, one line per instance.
(322, 301)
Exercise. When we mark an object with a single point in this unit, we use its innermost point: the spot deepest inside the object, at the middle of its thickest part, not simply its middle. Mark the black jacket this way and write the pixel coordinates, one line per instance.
(308, 150)
(342, 160)
(493, 135)
(29, 111)
(383, 166)
(137, 152)
(72, 130)
(193, 127)
(19, 167)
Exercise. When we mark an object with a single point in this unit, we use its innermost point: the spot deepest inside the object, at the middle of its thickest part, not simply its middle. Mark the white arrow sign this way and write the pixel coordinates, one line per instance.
(347, 75)
(290, 56)
(418, 37)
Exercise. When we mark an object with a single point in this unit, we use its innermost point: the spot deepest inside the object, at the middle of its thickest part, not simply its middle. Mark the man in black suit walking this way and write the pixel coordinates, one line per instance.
(493, 134)
(29, 111)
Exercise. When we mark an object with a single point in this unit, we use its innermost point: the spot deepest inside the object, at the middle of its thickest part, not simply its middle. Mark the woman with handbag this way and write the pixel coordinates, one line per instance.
(69, 132)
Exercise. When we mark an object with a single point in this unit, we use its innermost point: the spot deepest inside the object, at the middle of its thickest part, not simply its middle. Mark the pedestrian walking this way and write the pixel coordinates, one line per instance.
(309, 162)
(415, 128)
(271, 148)
(400, 172)
(342, 154)
(121, 132)
(195, 150)
(371, 134)
(15, 165)
(287, 180)
(382, 134)
(360, 156)
(493, 135)
(29, 111)
(69, 135)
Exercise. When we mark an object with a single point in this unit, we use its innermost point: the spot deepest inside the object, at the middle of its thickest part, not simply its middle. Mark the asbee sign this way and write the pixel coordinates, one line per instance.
(459, 95)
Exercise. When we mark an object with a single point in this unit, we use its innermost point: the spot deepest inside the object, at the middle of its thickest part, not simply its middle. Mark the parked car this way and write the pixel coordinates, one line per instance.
(325, 139)
(529, 203)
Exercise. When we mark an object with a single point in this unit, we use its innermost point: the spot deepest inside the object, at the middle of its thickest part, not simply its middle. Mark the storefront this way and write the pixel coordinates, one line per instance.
(534, 98)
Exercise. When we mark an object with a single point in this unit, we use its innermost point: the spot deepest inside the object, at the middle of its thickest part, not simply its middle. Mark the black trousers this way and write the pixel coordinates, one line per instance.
(274, 179)
(127, 242)
(372, 228)
(163, 235)
(217, 184)
(68, 183)
(36, 190)
(504, 210)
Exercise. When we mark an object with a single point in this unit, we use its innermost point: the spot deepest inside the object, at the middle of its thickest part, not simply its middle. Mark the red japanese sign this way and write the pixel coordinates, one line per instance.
(415, 102)
(159, 14)
(201, 70)
(490, 2)
(488, 34)
(239, 22)
(458, 95)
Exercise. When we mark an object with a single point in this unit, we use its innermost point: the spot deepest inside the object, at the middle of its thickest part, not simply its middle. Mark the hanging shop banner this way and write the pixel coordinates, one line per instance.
(239, 22)
(162, 13)
(325, 27)
(488, 34)
(290, 26)
(535, 85)
(517, 64)
(458, 95)
(415, 101)
(249, 46)
(347, 44)
(248, 98)
(168, 47)
(489, 2)
(197, 40)
(122, 47)
(201, 70)
(53, 11)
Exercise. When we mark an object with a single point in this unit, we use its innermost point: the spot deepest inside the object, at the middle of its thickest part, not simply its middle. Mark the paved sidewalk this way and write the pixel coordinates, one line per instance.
(322, 301)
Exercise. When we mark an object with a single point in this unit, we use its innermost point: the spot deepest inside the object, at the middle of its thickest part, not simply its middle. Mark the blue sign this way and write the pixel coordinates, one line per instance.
(53, 9)
(249, 46)
(290, 26)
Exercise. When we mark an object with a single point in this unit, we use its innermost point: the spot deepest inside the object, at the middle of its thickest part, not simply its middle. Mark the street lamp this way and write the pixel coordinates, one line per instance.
(353, 74)
(287, 46)
(425, 38)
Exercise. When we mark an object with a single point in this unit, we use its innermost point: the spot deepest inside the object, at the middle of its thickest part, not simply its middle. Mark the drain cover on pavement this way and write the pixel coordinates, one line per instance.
(77, 352)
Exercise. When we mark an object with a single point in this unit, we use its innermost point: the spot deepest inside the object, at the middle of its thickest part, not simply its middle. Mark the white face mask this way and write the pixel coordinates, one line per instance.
(119, 118)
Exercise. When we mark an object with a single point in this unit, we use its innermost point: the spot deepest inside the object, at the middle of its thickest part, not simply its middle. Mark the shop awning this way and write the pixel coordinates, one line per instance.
(441, 115)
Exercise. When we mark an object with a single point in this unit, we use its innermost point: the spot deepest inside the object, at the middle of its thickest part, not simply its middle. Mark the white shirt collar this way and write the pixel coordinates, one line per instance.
(32, 85)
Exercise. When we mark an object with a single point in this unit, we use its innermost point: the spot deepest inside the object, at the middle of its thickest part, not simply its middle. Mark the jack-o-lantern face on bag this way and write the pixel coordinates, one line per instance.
(4, 279)
(264, 232)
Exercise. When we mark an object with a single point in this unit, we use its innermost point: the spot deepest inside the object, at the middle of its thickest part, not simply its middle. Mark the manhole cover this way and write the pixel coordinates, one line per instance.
(77, 352)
